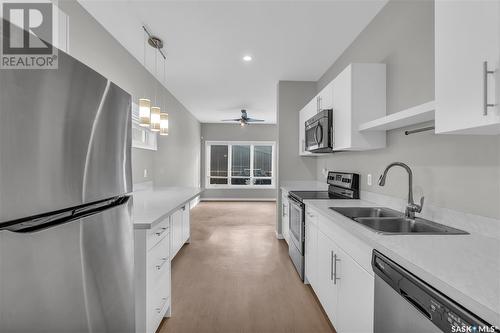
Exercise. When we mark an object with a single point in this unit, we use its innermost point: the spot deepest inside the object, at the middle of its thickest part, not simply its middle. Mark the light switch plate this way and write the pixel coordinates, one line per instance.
(369, 179)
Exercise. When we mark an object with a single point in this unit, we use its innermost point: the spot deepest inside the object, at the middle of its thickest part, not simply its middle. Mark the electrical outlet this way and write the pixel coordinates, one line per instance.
(324, 171)
(145, 173)
(369, 179)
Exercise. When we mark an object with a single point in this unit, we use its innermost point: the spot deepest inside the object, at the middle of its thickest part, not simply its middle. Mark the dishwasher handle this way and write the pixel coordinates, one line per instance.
(416, 304)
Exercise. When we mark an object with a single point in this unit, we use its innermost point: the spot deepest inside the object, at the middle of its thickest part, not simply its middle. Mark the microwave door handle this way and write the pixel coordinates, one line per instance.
(320, 128)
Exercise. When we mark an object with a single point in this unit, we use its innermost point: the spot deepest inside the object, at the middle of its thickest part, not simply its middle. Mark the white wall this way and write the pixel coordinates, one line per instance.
(234, 132)
(457, 172)
(177, 160)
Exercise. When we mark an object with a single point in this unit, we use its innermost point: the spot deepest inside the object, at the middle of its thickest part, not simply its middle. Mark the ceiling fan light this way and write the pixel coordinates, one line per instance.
(155, 119)
(144, 112)
(163, 123)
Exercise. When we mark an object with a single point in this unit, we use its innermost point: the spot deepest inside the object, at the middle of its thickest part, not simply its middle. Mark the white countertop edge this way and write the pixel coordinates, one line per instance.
(182, 202)
(369, 237)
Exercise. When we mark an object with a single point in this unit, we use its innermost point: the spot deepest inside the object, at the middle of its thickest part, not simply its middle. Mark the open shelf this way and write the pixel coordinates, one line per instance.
(414, 115)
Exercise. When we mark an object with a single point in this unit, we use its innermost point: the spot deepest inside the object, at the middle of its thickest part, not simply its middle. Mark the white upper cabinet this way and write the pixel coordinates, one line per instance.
(359, 95)
(467, 34)
(356, 95)
(307, 112)
(325, 97)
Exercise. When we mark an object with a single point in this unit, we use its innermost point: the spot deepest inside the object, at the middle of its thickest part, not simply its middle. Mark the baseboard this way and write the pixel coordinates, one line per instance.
(279, 236)
(238, 199)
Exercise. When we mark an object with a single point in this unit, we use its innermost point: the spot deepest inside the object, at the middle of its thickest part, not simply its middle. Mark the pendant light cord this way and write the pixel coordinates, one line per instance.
(144, 57)
(156, 70)
(165, 83)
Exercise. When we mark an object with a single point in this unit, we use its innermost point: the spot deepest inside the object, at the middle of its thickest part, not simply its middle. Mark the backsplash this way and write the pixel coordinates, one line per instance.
(446, 168)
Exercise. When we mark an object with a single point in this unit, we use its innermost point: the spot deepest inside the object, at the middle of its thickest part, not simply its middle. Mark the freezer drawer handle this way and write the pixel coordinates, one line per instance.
(164, 302)
(159, 233)
(416, 304)
(164, 260)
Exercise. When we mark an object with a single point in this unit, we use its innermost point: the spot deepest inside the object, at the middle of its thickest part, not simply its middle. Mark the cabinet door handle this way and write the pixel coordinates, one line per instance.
(331, 265)
(164, 261)
(335, 260)
(486, 72)
(159, 233)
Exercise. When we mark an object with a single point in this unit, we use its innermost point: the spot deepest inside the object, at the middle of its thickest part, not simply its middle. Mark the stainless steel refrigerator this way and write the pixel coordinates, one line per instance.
(66, 234)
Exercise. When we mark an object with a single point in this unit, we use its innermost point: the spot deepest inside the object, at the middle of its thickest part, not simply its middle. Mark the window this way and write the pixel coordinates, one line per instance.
(239, 164)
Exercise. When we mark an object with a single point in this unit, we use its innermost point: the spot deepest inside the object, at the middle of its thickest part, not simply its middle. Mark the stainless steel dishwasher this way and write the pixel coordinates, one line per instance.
(404, 303)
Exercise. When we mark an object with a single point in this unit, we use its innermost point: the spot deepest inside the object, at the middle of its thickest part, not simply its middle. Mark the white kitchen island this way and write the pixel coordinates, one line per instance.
(161, 227)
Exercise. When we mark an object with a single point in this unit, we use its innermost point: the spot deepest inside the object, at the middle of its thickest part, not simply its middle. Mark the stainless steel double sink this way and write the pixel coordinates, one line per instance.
(388, 221)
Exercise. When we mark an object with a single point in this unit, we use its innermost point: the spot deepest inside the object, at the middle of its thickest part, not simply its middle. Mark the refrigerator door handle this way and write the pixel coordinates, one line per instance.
(45, 221)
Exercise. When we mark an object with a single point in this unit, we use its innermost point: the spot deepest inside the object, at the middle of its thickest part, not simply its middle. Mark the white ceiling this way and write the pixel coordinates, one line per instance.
(206, 40)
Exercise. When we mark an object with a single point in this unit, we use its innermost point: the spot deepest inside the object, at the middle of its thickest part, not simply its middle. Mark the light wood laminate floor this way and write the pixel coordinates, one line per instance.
(235, 276)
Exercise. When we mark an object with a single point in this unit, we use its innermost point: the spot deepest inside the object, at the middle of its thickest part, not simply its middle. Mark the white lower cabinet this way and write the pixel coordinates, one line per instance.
(285, 220)
(186, 223)
(181, 228)
(311, 250)
(344, 288)
(326, 288)
(153, 249)
(355, 296)
(153, 276)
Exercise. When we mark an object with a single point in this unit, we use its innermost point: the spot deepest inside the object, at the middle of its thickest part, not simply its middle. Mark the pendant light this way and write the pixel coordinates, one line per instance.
(144, 103)
(163, 123)
(155, 111)
(164, 115)
(155, 118)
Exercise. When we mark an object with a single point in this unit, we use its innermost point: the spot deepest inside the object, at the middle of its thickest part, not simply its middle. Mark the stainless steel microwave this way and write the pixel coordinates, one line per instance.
(319, 133)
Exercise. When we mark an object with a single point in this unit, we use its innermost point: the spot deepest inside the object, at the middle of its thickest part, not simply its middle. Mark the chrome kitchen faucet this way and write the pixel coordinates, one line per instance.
(411, 207)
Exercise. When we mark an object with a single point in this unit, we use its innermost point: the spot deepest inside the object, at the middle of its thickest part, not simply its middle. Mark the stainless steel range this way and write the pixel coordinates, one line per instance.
(341, 185)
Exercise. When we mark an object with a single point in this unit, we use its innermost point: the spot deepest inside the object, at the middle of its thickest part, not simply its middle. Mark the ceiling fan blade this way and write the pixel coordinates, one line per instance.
(252, 120)
(231, 119)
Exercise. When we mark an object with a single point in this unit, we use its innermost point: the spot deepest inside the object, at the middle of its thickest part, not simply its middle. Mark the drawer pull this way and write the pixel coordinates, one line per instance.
(159, 233)
(162, 305)
(164, 260)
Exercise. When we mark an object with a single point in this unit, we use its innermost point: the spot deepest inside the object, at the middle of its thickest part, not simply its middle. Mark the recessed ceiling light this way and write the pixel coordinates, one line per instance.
(247, 58)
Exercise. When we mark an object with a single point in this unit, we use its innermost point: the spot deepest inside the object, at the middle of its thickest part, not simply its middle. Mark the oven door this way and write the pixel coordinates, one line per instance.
(296, 214)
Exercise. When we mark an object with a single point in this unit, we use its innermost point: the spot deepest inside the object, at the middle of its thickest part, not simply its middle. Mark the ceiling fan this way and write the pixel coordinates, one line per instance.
(244, 119)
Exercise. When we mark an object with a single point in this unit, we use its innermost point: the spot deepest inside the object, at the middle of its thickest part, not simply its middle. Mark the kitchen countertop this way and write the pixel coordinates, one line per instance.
(466, 268)
(304, 185)
(153, 205)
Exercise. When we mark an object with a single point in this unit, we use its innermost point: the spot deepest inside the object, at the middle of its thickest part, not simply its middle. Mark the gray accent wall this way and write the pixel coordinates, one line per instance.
(459, 172)
(177, 160)
(292, 96)
(234, 132)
